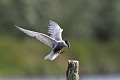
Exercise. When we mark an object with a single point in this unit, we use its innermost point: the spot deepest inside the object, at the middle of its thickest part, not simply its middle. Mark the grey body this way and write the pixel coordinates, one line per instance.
(58, 47)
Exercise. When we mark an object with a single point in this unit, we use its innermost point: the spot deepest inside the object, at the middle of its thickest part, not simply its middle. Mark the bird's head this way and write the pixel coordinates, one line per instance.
(68, 44)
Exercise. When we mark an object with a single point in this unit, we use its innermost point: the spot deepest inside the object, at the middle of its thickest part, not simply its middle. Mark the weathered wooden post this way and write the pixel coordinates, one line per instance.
(72, 71)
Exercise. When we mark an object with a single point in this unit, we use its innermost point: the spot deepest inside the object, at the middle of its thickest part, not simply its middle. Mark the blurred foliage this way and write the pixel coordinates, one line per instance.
(91, 26)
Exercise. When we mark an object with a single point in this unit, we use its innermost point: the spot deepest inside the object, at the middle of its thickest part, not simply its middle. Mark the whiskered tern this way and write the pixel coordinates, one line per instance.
(54, 40)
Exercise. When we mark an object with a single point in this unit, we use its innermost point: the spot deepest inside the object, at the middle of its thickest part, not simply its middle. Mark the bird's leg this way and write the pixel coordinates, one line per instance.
(61, 52)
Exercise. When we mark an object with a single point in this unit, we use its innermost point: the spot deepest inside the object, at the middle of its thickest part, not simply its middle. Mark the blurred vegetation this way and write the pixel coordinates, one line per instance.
(91, 26)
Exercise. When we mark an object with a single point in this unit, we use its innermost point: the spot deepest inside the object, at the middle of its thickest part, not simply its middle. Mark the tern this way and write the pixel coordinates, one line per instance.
(54, 40)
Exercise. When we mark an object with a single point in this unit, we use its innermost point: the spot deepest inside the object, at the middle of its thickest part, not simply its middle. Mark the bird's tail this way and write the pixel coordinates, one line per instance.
(51, 56)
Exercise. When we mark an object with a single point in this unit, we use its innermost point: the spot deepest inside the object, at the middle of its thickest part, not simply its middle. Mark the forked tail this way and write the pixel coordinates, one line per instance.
(51, 56)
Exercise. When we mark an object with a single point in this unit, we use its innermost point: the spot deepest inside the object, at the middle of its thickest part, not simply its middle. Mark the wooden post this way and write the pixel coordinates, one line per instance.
(72, 71)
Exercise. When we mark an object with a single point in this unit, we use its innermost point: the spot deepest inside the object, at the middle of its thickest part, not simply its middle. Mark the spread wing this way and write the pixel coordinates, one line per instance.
(54, 30)
(40, 36)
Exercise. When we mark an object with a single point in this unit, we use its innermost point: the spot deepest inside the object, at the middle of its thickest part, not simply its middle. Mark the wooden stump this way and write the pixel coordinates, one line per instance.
(72, 71)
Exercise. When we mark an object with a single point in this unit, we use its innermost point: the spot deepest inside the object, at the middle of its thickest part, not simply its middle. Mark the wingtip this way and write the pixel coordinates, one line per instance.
(19, 27)
(16, 26)
(50, 21)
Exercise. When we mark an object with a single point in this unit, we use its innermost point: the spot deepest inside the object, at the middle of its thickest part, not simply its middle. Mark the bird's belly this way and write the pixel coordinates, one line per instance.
(58, 48)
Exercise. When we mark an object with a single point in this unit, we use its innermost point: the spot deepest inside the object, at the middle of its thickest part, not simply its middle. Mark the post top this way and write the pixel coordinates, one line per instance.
(73, 61)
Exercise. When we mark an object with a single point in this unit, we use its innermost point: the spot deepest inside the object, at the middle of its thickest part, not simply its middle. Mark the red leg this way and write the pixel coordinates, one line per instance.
(61, 52)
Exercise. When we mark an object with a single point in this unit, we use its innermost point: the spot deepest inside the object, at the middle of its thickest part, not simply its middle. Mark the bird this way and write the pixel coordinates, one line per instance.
(54, 40)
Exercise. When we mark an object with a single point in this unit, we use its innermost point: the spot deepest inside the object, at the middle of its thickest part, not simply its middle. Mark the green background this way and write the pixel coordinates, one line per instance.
(91, 26)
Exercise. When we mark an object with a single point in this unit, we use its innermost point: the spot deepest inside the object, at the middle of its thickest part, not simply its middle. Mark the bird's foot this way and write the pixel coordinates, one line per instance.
(62, 52)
